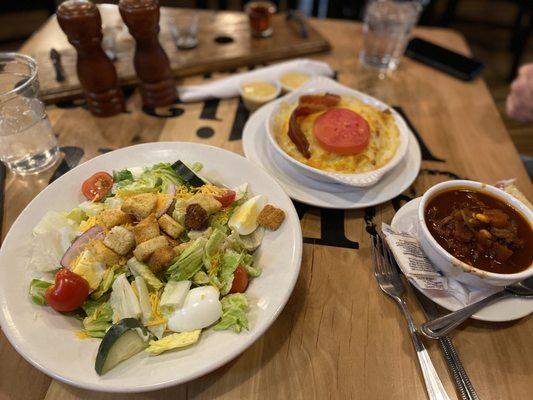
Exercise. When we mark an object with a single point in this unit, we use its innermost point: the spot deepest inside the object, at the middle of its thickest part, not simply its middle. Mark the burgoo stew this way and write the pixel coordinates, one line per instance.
(480, 230)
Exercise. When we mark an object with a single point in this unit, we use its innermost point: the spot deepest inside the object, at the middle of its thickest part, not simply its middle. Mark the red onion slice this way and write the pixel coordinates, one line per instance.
(75, 249)
(171, 189)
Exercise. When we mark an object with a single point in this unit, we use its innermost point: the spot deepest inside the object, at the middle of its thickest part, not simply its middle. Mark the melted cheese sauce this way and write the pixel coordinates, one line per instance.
(293, 80)
(259, 90)
(384, 139)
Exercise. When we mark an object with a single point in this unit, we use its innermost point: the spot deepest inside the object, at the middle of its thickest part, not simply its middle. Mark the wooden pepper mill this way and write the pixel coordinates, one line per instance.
(81, 22)
(151, 62)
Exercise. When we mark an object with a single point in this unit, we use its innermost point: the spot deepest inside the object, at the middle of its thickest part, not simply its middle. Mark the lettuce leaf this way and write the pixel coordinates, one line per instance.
(229, 262)
(189, 262)
(234, 307)
(99, 317)
(123, 300)
(248, 264)
(153, 179)
(37, 290)
(137, 268)
(123, 175)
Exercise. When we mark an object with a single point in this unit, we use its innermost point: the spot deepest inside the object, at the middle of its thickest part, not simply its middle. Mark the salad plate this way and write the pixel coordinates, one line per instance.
(50, 340)
(305, 189)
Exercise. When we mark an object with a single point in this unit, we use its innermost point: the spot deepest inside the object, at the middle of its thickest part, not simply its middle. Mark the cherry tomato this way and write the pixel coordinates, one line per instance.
(68, 292)
(227, 198)
(240, 280)
(97, 186)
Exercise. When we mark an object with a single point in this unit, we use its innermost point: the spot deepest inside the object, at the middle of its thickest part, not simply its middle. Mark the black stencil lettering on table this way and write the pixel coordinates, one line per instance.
(205, 132)
(427, 155)
(169, 112)
(241, 116)
(331, 228)
(71, 158)
(209, 110)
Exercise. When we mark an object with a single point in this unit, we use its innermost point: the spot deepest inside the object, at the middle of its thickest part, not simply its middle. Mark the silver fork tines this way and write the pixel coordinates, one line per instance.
(390, 282)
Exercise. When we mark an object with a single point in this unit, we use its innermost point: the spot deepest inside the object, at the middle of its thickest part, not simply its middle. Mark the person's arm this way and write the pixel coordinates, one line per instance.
(520, 100)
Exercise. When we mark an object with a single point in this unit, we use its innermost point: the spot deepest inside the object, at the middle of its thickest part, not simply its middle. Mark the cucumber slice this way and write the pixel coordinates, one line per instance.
(120, 342)
(187, 175)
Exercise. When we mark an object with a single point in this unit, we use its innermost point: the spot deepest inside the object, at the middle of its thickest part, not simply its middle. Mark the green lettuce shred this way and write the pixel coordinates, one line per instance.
(37, 290)
(189, 262)
(137, 268)
(153, 179)
(234, 307)
(99, 317)
(248, 264)
(105, 284)
(124, 175)
(229, 262)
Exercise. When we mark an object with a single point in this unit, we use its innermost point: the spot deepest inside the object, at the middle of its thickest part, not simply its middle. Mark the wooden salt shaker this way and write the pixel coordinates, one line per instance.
(151, 62)
(81, 22)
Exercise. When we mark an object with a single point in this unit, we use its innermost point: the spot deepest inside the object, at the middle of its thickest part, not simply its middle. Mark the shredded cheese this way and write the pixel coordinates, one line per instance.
(82, 335)
(89, 223)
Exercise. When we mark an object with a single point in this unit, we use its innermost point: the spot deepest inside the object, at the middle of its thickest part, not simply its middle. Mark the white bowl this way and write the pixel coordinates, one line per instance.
(453, 267)
(320, 85)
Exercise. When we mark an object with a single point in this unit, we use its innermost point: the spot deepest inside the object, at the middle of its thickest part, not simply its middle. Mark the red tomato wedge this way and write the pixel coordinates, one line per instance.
(97, 186)
(226, 198)
(68, 292)
(342, 131)
(240, 280)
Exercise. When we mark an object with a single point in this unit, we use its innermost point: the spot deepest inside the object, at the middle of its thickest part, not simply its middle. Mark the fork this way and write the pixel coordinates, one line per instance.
(390, 282)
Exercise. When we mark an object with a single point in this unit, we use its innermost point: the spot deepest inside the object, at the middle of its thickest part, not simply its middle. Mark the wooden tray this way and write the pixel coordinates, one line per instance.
(208, 56)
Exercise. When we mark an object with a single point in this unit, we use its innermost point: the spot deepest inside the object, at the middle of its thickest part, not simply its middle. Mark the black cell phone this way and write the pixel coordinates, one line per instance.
(445, 60)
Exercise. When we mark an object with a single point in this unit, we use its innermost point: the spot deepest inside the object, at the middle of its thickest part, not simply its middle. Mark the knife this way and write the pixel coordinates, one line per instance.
(298, 19)
(56, 61)
(462, 382)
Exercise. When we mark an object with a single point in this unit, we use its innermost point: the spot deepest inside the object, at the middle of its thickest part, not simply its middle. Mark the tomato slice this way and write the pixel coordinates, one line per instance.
(97, 186)
(342, 131)
(240, 280)
(68, 292)
(227, 198)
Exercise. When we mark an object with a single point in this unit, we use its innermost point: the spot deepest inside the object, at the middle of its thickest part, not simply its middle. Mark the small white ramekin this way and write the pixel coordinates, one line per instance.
(453, 267)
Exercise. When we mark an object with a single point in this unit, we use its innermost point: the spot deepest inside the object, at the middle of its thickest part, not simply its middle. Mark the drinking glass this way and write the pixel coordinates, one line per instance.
(260, 16)
(184, 29)
(386, 29)
(27, 143)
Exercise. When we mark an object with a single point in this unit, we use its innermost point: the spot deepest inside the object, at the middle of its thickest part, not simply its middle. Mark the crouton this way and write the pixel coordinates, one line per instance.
(196, 217)
(208, 203)
(146, 229)
(271, 217)
(161, 259)
(120, 240)
(171, 242)
(180, 248)
(145, 249)
(103, 253)
(113, 217)
(140, 205)
(170, 227)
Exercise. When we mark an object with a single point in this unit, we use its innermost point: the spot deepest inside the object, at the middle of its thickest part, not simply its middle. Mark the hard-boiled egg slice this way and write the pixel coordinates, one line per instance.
(244, 219)
(200, 309)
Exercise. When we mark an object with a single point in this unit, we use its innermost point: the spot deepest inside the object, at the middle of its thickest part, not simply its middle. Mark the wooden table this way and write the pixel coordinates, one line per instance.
(339, 336)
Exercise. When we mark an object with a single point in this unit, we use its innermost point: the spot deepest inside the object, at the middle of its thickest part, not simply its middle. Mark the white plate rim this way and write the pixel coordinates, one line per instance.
(295, 263)
(263, 112)
(449, 302)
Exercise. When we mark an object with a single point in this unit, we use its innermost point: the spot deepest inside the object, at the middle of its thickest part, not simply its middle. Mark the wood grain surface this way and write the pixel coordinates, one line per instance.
(209, 56)
(338, 337)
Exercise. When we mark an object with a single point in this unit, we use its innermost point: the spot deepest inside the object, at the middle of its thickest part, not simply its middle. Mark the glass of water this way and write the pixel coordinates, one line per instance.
(386, 29)
(184, 29)
(27, 143)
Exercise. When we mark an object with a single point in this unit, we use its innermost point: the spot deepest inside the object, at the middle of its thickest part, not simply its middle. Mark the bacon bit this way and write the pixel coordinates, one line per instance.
(308, 104)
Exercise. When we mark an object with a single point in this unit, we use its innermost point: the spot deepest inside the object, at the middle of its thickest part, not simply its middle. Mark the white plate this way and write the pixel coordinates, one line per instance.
(406, 220)
(320, 85)
(300, 187)
(47, 339)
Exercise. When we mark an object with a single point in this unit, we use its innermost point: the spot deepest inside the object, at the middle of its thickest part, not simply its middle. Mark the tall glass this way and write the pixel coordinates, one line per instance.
(184, 29)
(386, 29)
(27, 143)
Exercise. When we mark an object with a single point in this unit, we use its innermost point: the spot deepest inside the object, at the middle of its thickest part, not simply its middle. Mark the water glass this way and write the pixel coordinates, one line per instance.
(184, 29)
(386, 29)
(27, 143)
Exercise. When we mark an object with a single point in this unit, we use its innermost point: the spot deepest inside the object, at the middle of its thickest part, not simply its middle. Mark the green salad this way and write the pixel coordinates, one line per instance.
(153, 257)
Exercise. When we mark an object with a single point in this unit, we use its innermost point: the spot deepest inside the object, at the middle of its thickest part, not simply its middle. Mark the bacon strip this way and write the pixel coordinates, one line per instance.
(308, 104)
